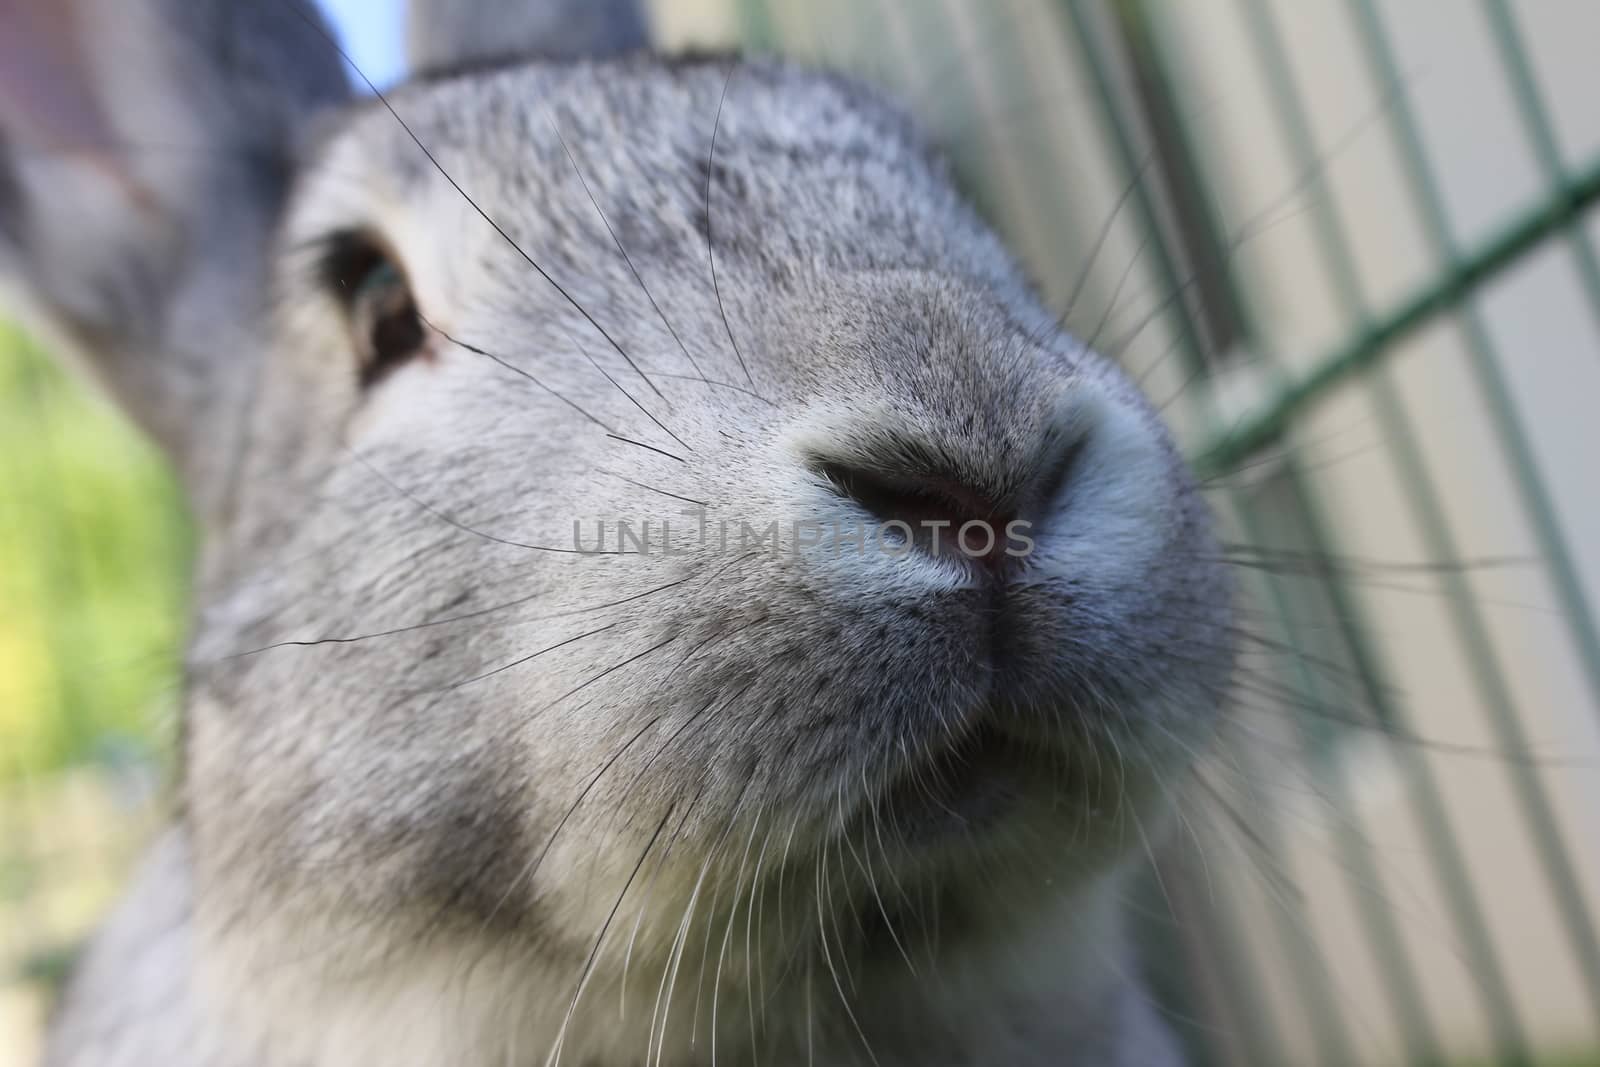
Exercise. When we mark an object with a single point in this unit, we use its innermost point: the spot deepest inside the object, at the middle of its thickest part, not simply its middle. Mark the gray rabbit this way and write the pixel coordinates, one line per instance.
(670, 593)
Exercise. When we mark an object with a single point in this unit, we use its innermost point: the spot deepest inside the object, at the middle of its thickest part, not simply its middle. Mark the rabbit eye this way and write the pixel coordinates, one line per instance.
(385, 328)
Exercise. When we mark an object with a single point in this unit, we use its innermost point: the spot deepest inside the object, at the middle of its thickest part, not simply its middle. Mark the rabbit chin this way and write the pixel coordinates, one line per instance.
(997, 959)
(1017, 995)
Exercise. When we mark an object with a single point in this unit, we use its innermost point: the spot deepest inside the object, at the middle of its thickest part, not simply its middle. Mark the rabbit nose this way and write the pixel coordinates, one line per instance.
(923, 504)
(934, 513)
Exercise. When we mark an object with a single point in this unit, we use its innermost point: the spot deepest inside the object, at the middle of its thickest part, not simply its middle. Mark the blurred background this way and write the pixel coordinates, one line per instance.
(1349, 247)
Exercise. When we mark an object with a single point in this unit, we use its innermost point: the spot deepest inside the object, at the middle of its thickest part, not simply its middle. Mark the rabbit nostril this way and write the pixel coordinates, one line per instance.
(973, 502)
(941, 517)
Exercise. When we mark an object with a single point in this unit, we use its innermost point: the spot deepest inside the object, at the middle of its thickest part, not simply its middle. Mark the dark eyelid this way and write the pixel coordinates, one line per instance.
(348, 258)
(357, 269)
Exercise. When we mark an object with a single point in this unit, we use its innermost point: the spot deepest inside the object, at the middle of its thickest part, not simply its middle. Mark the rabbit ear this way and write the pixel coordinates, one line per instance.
(145, 151)
(447, 34)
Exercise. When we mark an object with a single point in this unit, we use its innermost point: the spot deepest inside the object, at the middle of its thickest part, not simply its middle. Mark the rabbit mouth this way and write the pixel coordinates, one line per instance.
(969, 794)
(965, 789)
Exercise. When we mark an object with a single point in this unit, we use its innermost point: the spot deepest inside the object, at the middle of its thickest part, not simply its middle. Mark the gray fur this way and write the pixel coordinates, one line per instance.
(453, 797)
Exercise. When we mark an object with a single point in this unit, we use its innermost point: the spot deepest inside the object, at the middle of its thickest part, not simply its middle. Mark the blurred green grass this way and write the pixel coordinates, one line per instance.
(94, 550)
(94, 557)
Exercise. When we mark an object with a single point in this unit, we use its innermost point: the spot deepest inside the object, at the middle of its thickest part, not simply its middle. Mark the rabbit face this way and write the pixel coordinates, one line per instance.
(591, 595)
(650, 524)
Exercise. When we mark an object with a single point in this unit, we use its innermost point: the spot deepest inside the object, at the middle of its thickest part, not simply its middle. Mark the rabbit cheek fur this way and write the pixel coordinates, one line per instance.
(776, 799)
